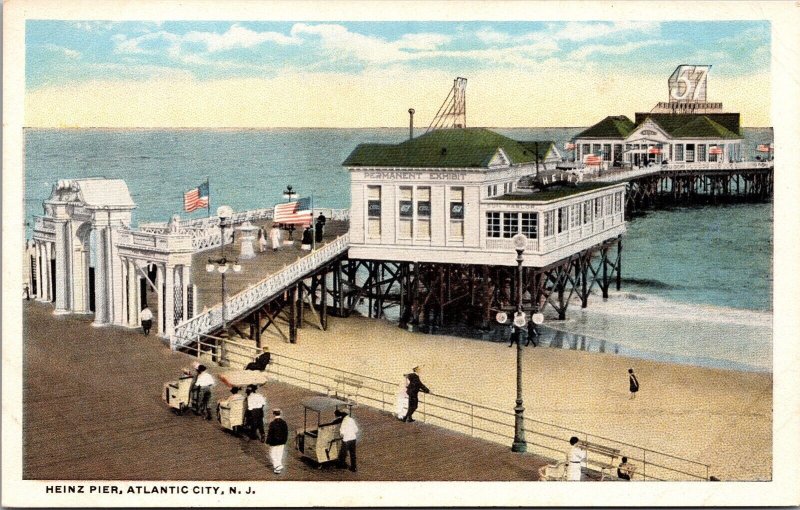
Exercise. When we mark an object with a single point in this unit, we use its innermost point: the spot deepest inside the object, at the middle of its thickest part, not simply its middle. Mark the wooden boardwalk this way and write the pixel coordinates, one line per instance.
(93, 410)
(209, 291)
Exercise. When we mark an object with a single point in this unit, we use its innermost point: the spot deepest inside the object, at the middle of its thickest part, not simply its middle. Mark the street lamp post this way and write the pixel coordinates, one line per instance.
(519, 444)
(222, 263)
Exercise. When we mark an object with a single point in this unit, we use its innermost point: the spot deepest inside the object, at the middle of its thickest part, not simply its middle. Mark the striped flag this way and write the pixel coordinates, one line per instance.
(764, 148)
(569, 146)
(294, 213)
(715, 150)
(592, 160)
(654, 150)
(196, 198)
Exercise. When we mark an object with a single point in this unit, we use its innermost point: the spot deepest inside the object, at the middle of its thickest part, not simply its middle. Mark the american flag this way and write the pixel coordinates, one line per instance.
(715, 150)
(196, 198)
(569, 146)
(294, 213)
(592, 159)
(764, 148)
(654, 150)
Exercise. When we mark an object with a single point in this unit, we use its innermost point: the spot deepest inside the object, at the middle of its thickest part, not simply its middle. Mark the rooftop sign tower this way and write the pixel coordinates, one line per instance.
(453, 112)
(688, 87)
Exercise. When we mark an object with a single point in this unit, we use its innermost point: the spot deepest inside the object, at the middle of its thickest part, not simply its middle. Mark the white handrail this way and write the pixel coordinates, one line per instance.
(269, 286)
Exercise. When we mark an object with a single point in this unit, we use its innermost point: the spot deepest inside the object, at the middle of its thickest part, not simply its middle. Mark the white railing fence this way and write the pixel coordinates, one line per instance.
(259, 292)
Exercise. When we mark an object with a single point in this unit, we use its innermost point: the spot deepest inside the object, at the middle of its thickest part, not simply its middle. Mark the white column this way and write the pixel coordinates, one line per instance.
(116, 281)
(185, 290)
(61, 266)
(48, 249)
(100, 278)
(133, 294)
(38, 249)
(160, 293)
(169, 300)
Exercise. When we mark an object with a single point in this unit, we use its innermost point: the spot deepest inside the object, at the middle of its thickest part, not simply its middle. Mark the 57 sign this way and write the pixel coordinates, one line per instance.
(688, 83)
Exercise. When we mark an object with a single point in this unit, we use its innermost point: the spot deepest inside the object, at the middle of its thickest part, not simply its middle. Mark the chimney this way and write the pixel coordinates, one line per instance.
(410, 123)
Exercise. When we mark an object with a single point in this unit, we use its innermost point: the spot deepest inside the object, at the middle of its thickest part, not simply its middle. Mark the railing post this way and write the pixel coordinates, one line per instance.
(644, 465)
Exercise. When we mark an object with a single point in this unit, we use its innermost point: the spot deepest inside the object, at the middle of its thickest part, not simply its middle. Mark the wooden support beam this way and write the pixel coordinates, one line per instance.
(293, 315)
(323, 314)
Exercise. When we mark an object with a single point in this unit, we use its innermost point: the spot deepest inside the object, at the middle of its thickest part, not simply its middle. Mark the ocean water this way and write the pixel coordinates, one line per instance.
(697, 282)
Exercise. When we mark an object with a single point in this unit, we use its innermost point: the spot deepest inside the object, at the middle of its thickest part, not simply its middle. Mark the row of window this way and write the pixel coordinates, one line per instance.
(414, 206)
(492, 190)
(508, 224)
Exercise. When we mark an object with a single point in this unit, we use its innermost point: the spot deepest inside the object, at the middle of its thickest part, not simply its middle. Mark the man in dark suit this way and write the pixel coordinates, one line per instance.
(413, 389)
(319, 227)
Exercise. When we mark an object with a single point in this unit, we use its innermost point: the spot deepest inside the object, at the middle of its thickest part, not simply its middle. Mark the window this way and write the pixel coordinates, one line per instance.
(563, 219)
(510, 225)
(374, 212)
(607, 152)
(690, 153)
(586, 149)
(424, 212)
(607, 205)
(701, 152)
(457, 213)
(598, 207)
(587, 212)
(617, 202)
(679, 152)
(406, 210)
(575, 216)
(406, 202)
(492, 224)
(549, 226)
(529, 225)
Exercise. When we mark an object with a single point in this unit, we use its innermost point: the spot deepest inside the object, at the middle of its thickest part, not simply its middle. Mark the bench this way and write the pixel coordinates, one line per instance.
(348, 386)
(612, 454)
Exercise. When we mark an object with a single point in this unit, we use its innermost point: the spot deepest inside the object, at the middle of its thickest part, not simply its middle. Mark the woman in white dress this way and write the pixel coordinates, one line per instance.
(275, 237)
(262, 240)
(402, 399)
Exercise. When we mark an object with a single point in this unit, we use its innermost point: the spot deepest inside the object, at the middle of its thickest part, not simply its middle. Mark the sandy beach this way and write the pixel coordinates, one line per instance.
(718, 417)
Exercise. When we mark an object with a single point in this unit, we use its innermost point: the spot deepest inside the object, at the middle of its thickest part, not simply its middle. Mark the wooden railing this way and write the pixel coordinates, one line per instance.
(247, 299)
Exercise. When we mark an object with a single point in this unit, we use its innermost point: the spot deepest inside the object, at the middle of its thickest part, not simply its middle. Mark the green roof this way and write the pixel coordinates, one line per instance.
(445, 148)
(618, 126)
(543, 147)
(554, 194)
(700, 125)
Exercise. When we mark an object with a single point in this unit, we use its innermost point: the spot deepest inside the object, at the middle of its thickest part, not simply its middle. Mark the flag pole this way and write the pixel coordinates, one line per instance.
(208, 207)
(314, 238)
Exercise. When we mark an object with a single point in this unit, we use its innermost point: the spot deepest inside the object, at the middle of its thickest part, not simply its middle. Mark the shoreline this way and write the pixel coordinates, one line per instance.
(714, 416)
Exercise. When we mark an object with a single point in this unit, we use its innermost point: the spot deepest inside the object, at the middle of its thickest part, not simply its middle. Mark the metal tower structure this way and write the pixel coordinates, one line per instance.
(453, 112)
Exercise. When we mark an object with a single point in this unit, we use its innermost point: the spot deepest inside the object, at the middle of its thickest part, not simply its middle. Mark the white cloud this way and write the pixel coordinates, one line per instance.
(492, 36)
(611, 49)
(237, 36)
(582, 31)
(93, 26)
(67, 52)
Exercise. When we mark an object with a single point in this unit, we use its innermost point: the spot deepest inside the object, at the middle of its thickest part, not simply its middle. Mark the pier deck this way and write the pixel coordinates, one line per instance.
(253, 270)
(92, 409)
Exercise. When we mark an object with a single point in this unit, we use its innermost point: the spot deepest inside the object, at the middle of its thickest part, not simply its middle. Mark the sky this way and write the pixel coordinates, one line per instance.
(367, 74)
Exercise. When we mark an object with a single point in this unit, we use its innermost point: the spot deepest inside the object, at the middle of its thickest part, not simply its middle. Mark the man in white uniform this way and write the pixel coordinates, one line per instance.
(349, 431)
(146, 316)
(256, 403)
(203, 384)
(576, 456)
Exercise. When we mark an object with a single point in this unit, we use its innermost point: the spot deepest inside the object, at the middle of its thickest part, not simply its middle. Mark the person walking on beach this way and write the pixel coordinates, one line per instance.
(277, 436)
(575, 457)
(414, 387)
(146, 316)
(634, 383)
(275, 237)
(349, 431)
(319, 227)
(262, 240)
